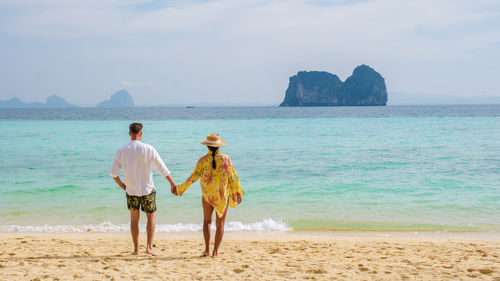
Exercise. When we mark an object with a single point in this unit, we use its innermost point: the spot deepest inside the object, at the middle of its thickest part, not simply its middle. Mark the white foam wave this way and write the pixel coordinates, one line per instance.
(265, 225)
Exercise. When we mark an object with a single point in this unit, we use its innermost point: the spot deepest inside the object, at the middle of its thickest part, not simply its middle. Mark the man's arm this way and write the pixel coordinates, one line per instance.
(162, 169)
(120, 183)
(115, 170)
(173, 186)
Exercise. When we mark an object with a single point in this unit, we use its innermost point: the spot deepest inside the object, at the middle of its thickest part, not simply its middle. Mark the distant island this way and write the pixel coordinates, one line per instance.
(118, 99)
(319, 88)
(51, 102)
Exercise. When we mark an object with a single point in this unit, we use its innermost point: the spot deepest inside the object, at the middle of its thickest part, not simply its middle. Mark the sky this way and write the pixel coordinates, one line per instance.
(243, 52)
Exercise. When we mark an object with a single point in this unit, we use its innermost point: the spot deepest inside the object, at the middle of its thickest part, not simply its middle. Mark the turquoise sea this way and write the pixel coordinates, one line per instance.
(418, 168)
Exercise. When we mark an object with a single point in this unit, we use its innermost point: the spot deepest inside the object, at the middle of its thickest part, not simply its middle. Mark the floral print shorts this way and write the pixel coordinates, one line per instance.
(147, 202)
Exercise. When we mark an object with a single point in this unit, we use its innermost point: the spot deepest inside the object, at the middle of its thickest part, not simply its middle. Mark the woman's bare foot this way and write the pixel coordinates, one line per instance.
(205, 254)
(134, 253)
(214, 254)
(151, 252)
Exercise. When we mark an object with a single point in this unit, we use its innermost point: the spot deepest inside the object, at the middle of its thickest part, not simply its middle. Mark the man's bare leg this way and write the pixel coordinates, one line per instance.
(150, 229)
(219, 233)
(207, 222)
(134, 229)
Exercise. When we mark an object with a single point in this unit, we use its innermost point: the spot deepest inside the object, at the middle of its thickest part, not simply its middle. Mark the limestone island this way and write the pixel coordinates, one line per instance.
(365, 87)
(51, 102)
(119, 99)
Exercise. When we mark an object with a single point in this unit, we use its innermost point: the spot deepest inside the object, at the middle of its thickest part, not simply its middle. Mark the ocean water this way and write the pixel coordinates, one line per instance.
(417, 168)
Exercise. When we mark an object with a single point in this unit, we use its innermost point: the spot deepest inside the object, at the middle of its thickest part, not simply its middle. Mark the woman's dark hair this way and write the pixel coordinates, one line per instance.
(214, 150)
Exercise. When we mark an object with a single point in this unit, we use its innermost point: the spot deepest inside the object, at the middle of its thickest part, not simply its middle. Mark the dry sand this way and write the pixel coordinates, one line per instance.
(300, 256)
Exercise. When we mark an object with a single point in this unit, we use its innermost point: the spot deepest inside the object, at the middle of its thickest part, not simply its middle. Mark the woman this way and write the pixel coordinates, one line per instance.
(220, 188)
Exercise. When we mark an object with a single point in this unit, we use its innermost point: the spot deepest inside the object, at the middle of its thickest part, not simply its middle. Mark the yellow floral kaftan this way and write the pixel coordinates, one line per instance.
(217, 186)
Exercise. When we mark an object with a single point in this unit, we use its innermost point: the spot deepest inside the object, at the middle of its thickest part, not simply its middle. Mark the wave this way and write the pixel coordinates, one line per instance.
(267, 225)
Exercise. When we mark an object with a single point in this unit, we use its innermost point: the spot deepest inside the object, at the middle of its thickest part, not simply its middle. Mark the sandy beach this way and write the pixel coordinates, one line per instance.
(300, 256)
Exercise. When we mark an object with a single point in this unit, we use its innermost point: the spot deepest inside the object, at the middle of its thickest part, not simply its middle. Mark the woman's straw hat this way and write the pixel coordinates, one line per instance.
(214, 140)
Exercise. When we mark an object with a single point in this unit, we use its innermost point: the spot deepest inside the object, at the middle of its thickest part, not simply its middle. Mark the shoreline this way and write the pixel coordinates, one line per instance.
(494, 235)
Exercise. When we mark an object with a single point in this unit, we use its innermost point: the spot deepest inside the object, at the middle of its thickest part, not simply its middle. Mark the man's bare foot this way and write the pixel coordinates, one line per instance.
(134, 253)
(151, 252)
(214, 254)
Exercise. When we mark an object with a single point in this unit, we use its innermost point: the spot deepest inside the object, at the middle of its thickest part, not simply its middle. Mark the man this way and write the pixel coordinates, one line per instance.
(137, 160)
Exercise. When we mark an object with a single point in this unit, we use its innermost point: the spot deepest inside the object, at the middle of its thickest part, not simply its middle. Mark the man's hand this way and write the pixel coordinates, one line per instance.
(120, 183)
(173, 186)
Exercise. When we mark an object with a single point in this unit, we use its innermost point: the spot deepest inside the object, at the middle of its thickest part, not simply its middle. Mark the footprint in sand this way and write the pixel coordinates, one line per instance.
(316, 271)
(485, 271)
(274, 251)
(238, 270)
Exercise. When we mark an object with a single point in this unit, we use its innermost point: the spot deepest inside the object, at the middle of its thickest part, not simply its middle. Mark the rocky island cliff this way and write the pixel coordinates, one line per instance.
(318, 88)
(119, 99)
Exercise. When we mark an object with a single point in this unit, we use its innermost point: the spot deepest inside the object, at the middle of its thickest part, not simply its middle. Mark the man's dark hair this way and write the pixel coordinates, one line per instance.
(135, 128)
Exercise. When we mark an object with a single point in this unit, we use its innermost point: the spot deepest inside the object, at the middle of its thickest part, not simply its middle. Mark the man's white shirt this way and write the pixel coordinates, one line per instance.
(137, 160)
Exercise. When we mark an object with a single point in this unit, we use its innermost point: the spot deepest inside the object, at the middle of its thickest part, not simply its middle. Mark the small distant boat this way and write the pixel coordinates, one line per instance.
(189, 106)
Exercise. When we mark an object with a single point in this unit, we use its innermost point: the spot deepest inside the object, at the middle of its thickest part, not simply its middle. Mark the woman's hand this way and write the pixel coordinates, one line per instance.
(238, 198)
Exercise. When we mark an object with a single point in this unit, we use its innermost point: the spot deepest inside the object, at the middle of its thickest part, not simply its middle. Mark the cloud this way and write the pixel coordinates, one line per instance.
(129, 83)
(137, 84)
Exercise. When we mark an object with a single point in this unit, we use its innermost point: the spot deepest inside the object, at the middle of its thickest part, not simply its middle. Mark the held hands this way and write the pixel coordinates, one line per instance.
(173, 186)
(238, 198)
(173, 189)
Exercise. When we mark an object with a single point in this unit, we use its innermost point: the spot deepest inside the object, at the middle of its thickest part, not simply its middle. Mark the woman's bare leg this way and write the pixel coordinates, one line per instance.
(208, 210)
(219, 233)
